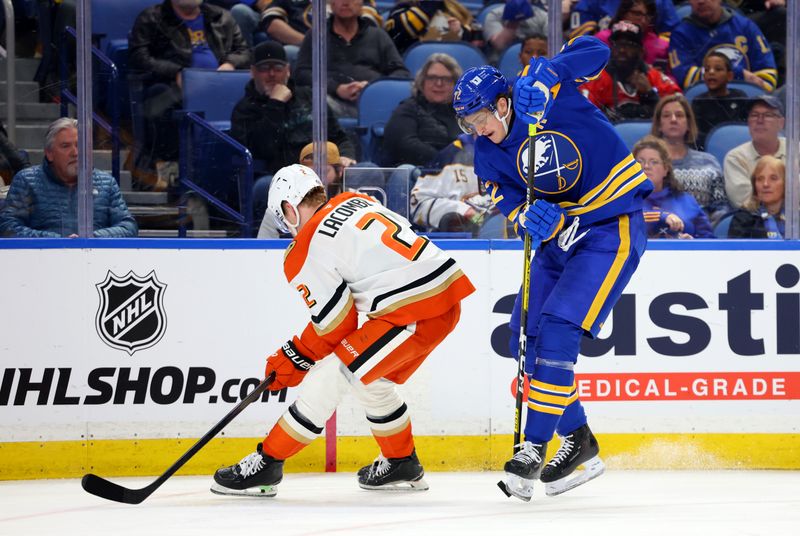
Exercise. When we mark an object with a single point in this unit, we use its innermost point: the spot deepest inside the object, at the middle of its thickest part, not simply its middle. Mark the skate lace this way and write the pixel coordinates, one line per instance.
(563, 452)
(251, 464)
(527, 453)
(380, 466)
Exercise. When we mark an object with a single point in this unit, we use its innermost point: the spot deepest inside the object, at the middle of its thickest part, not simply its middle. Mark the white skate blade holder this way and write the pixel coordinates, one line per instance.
(591, 470)
(416, 485)
(257, 491)
(516, 486)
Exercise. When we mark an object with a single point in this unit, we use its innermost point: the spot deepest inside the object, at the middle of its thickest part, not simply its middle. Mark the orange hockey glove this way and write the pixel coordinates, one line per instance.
(290, 366)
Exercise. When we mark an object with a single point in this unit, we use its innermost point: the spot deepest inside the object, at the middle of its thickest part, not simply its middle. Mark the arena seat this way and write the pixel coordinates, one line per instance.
(375, 106)
(481, 17)
(215, 93)
(632, 131)
(725, 137)
(751, 90)
(722, 226)
(465, 54)
(112, 20)
(509, 63)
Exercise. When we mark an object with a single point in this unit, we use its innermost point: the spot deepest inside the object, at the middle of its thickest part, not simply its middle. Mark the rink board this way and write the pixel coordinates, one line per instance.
(116, 356)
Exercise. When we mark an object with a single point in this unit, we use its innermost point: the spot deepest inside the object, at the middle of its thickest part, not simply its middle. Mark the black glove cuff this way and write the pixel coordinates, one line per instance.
(299, 361)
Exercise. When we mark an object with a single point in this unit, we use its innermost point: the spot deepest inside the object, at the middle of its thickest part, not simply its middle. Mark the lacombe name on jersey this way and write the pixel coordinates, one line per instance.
(331, 224)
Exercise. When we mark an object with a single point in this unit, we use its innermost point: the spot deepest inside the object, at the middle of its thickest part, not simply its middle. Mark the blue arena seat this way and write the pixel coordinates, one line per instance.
(214, 93)
(725, 137)
(509, 62)
(375, 106)
(683, 10)
(722, 226)
(632, 131)
(112, 20)
(751, 90)
(465, 54)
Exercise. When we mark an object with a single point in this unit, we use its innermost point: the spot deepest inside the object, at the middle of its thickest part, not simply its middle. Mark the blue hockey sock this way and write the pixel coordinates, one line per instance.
(553, 383)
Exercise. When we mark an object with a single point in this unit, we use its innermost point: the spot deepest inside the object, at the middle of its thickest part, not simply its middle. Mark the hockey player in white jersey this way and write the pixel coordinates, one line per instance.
(351, 255)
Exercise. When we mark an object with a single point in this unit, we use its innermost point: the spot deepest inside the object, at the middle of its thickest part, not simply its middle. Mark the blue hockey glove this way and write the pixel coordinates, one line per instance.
(533, 97)
(542, 220)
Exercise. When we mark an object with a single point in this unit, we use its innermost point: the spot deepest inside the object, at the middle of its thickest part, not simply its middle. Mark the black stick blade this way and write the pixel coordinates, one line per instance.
(113, 492)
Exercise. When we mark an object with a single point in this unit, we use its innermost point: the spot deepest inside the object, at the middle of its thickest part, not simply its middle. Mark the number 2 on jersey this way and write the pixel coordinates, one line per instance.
(390, 236)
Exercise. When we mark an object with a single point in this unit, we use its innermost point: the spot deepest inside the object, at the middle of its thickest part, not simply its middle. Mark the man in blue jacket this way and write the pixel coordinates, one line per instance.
(43, 202)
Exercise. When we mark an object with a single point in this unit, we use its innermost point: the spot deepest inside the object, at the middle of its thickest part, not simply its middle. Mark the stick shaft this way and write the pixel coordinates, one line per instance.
(526, 287)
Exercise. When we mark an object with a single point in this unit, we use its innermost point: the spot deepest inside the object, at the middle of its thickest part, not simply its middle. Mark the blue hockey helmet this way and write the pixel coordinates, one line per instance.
(478, 88)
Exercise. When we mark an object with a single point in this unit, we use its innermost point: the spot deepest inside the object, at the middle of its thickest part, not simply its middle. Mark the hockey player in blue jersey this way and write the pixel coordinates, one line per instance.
(586, 227)
(713, 27)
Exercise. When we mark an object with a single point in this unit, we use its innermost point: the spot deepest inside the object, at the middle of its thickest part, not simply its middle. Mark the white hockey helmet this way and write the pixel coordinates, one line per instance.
(290, 184)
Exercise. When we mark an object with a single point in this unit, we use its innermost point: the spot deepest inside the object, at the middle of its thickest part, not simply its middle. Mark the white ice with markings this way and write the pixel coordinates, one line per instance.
(618, 503)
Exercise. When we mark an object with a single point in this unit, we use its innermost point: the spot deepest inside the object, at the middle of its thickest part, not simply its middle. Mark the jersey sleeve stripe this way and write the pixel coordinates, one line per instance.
(414, 284)
(770, 76)
(586, 27)
(630, 185)
(337, 320)
(335, 299)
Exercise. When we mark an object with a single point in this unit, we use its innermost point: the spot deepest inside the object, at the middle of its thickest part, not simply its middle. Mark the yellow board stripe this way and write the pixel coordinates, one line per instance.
(623, 252)
(150, 457)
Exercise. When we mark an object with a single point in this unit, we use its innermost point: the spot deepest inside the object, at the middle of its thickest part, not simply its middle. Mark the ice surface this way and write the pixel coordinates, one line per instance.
(619, 503)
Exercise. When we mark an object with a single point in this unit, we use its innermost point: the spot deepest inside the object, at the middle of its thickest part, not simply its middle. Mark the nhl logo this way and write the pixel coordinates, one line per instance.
(131, 314)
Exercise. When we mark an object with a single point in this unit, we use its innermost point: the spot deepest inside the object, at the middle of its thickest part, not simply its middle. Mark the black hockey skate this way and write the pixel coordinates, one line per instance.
(393, 474)
(577, 448)
(255, 476)
(522, 470)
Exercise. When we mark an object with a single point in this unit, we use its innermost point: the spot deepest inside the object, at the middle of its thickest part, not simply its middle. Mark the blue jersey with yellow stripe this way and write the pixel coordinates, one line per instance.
(734, 35)
(582, 164)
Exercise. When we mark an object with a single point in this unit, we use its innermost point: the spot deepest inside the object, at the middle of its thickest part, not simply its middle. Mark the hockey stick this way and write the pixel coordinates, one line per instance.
(114, 492)
(523, 313)
(526, 288)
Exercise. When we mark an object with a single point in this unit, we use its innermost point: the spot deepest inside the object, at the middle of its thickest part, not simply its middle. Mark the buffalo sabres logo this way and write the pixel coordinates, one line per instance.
(736, 53)
(131, 313)
(558, 163)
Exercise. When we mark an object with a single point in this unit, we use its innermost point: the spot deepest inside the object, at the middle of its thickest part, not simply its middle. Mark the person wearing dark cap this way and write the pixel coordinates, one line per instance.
(273, 119)
(765, 121)
(628, 88)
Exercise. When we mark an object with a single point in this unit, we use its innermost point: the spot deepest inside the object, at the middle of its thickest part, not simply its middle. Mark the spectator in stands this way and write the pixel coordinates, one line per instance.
(628, 88)
(511, 23)
(246, 13)
(332, 181)
(335, 171)
(288, 21)
(358, 53)
(762, 213)
(591, 16)
(424, 124)
(764, 121)
(431, 20)
(643, 14)
(42, 201)
(714, 27)
(450, 201)
(770, 17)
(167, 38)
(532, 47)
(273, 119)
(720, 103)
(696, 172)
(668, 211)
(11, 160)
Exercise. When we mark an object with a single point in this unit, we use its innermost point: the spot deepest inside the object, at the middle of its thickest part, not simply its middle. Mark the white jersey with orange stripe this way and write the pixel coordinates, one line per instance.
(356, 256)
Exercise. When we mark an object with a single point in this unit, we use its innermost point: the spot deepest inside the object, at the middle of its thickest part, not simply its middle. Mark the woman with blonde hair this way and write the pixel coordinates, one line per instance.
(761, 215)
(668, 211)
(699, 173)
(424, 124)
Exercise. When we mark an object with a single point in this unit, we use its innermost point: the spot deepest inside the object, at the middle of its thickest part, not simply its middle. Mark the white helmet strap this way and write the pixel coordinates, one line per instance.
(504, 120)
